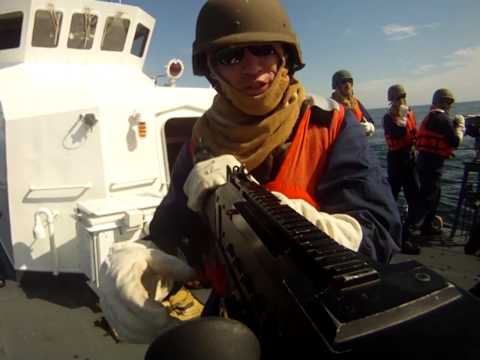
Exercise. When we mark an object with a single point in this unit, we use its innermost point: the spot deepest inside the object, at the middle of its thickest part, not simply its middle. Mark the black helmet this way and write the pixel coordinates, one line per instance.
(395, 91)
(212, 338)
(228, 22)
(442, 94)
(339, 76)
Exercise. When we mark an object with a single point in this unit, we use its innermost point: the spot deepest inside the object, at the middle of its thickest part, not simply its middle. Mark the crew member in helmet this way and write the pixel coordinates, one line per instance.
(312, 156)
(438, 137)
(342, 84)
(400, 129)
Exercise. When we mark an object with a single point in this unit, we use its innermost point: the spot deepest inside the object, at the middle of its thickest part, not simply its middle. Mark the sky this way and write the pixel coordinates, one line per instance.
(424, 45)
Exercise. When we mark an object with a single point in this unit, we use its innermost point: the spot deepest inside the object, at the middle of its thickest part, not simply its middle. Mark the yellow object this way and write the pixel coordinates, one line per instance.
(183, 305)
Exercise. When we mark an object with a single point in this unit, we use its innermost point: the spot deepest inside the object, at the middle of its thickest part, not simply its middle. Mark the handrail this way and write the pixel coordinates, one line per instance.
(129, 184)
(60, 187)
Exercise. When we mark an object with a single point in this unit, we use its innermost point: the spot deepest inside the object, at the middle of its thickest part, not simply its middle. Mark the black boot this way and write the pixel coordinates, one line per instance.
(473, 243)
(430, 231)
(410, 248)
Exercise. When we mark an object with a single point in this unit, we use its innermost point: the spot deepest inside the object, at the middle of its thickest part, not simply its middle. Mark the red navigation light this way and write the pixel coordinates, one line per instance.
(175, 68)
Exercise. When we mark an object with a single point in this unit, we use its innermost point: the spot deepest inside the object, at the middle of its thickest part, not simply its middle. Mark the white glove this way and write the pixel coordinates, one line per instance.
(403, 111)
(368, 127)
(134, 279)
(459, 126)
(206, 176)
(401, 122)
(342, 228)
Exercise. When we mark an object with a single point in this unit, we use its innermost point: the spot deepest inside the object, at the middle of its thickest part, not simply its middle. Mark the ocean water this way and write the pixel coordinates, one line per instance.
(454, 168)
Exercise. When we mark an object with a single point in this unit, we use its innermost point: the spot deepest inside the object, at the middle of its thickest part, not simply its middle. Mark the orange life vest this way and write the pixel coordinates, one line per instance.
(357, 110)
(303, 165)
(432, 142)
(408, 139)
(306, 157)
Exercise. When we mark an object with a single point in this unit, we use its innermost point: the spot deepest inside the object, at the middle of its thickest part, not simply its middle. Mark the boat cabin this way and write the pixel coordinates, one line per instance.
(87, 139)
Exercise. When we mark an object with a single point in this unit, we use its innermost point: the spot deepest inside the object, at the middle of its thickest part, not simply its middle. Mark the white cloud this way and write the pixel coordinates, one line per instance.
(422, 69)
(463, 79)
(461, 57)
(399, 32)
(432, 26)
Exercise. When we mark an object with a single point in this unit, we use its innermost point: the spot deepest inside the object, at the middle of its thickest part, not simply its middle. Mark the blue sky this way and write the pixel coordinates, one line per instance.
(423, 44)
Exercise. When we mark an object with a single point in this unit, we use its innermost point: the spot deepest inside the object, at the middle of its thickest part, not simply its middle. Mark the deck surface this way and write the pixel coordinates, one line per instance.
(448, 259)
(47, 317)
(43, 317)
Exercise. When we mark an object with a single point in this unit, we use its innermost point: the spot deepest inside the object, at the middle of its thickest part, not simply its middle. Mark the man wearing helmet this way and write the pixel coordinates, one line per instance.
(439, 135)
(342, 84)
(312, 156)
(261, 118)
(400, 129)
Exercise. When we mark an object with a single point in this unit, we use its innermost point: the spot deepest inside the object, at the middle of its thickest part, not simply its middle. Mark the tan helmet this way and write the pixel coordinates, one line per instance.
(441, 94)
(339, 76)
(228, 22)
(395, 91)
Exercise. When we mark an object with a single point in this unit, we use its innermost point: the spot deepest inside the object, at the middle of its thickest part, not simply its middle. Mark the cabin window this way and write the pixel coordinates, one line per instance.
(115, 33)
(10, 30)
(46, 29)
(177, 132)
(82, 31)
(140, 40)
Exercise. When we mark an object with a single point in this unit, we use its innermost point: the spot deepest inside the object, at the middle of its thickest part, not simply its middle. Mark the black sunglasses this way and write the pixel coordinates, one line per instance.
(345, 81)
(400, 97)
(448, 101)
(233, 55)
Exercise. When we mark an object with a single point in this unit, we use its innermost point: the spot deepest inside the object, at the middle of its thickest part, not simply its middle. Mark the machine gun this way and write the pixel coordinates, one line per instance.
(472, 128)
(295, 286)
(466, 212)
(472, 125)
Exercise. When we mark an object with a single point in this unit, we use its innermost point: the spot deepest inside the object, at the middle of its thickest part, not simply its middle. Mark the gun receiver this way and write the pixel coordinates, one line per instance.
(291, 280)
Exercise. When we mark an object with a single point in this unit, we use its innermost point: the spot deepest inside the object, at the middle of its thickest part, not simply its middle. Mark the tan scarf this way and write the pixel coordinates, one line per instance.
(250, 127)
(348, 101)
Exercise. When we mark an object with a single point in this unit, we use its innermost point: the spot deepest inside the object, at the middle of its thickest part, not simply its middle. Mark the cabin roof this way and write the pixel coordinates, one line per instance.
(73, 32)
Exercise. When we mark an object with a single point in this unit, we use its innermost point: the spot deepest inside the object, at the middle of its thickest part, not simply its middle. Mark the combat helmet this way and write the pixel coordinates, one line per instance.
(441, 94)
(229, 22)
(395, 91)
(339, 76)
